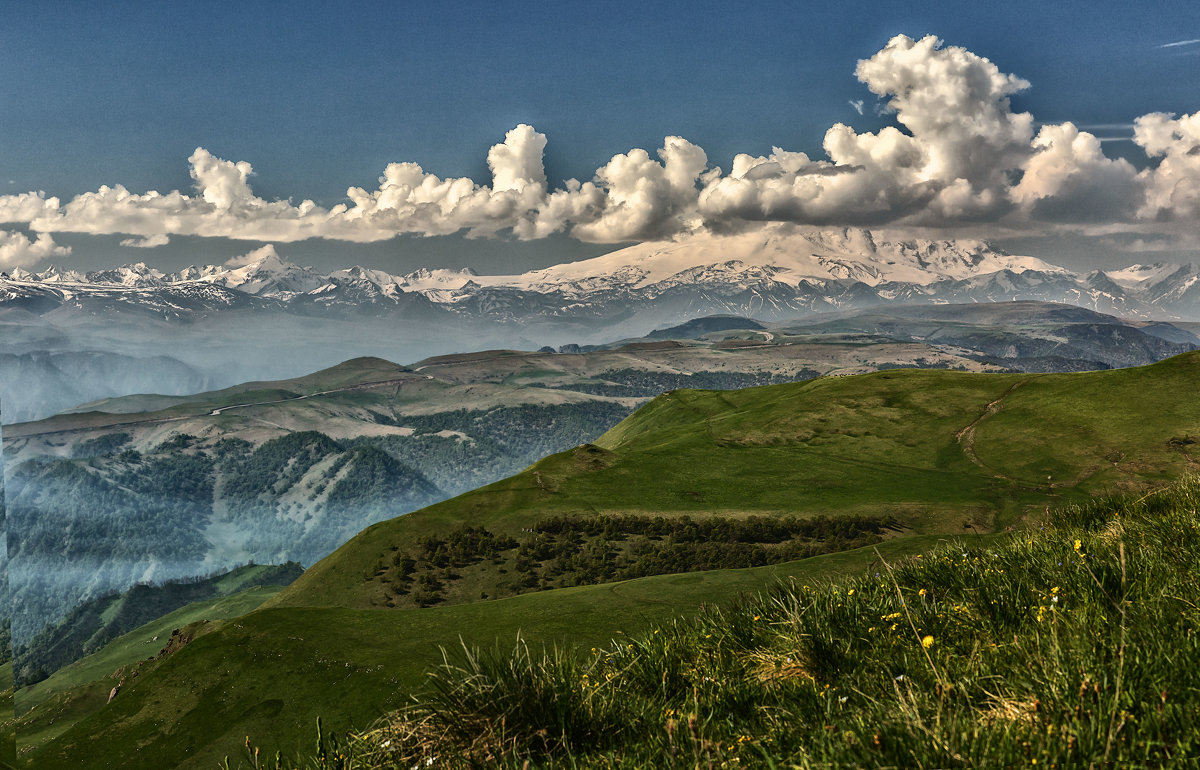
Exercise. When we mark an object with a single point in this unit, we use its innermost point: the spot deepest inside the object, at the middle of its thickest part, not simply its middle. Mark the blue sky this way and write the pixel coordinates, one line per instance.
(320, 97)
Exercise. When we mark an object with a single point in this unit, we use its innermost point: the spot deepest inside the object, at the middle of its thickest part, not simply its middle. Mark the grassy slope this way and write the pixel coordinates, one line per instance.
(1071, 646)
(892, 442)
(53, 705)
(237, 597)
(349, 666)
(8, 728)
(115, 615)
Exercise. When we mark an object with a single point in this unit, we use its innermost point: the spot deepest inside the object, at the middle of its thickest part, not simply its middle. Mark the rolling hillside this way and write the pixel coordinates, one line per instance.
(1070, 646)
(926, 454)
(938, 452)
(92, 625)
(162, 487)
(327, 447)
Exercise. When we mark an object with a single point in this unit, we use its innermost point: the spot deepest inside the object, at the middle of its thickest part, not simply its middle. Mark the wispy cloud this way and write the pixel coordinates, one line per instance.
(1110, 132)
(857, 104)
(149, 242)
(1179, 43)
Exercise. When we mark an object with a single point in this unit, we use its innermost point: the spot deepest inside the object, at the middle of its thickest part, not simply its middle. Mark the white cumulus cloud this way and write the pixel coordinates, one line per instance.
(411, 200)
(26, 207)
(958, 154)
(955, 161)
(1173, 186)
(255, 256)
(1069, 178)
(634, 197)
(19, 250)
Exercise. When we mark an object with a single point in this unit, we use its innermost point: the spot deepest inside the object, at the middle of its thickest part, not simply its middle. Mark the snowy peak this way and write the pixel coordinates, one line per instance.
(789, 254)
(774, 271)
(1145, 276)
(359, 273)
(264, 273)
(426, 279)
(54, 274)
(134, 275)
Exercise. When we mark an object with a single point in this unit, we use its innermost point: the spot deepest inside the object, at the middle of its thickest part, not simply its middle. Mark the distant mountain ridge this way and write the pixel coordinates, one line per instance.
(771, 273)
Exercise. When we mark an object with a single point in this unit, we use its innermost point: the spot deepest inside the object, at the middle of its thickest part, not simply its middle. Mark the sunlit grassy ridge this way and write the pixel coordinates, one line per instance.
(1074, 645)
(50, 707)
(273, 673)
(942, 452)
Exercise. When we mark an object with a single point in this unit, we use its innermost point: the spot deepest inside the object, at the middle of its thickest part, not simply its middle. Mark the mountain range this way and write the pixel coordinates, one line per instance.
(771, 273)
(67, 336)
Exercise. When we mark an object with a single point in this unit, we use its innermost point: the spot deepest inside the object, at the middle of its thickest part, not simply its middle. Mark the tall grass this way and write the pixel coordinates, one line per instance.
(1074, 645)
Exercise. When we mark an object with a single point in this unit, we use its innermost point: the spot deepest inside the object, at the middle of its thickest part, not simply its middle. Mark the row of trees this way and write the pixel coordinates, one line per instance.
(565, 551)
(644, 383)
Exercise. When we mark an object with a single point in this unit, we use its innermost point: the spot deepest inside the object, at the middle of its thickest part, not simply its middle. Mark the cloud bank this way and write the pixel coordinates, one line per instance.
(19, 250)
(959, 155)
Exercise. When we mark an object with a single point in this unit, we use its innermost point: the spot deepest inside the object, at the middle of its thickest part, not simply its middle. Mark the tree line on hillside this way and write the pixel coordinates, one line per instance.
(562, 551)
(642, 383)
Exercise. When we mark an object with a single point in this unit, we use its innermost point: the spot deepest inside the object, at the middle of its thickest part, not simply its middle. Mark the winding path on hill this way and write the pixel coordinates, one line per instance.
(966, 436)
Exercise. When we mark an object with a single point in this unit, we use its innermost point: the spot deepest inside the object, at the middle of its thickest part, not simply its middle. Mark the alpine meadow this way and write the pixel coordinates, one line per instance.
(460, 385)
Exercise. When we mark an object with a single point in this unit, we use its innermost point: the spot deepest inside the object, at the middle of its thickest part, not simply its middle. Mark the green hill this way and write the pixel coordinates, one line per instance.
(1072, 646)
(934, 451)
(50, 707)
(92, 625)
(273, 672)
(899, 458)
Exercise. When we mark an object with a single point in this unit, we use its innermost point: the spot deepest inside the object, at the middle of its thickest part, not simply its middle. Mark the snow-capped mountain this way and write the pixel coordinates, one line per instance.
(268, 275)
(777, 271)
(788, 255)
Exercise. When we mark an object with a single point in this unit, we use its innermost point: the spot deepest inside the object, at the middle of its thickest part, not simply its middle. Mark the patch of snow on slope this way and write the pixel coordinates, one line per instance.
(1136, 276)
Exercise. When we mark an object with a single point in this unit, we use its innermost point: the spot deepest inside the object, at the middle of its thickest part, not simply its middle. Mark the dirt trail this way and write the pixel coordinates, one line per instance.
(966, 436)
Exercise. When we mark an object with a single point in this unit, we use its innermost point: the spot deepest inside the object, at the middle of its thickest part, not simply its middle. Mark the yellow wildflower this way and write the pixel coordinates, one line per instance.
(927, 642)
